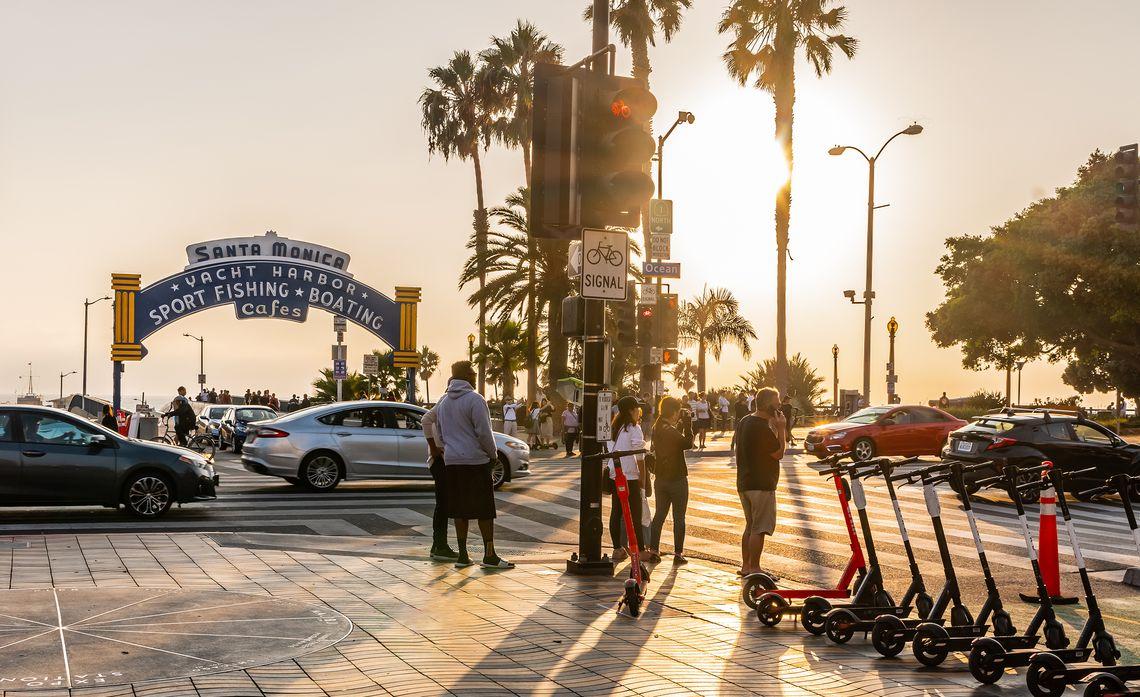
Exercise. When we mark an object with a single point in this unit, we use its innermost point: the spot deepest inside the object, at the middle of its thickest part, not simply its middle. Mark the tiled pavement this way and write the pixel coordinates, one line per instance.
(424, 628)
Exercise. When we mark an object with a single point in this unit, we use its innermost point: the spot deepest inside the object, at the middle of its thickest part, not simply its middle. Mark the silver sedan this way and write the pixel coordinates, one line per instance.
(319, 446)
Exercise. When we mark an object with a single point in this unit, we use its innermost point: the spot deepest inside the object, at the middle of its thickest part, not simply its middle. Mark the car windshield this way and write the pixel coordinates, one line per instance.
(255, 414)
(215, 412)
(867, 416)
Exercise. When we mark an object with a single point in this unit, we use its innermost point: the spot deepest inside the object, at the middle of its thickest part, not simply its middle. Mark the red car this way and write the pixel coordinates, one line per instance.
(897, 430)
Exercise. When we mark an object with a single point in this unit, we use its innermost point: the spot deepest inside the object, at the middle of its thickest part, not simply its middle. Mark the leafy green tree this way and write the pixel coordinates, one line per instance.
(1057, 280)
(767, 36)
(461, 114)
(711, 320)
(429, 363)
(805, 385)
(355, 386)
(504, 351)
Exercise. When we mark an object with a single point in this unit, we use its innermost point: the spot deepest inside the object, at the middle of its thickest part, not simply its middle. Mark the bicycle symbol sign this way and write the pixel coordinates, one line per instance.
(605, 264)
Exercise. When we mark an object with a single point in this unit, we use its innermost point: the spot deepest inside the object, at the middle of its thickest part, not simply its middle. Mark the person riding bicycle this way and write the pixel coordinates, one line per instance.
(184, 417)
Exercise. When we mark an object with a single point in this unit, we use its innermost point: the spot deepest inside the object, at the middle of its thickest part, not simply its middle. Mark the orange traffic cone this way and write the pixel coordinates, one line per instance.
(1047, 558)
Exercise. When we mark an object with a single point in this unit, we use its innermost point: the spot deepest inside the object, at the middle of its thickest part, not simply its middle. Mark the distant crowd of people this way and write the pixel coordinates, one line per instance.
(263, 398)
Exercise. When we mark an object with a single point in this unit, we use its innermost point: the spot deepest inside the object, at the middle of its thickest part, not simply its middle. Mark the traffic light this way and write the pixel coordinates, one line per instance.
(553, 211)
(626, 322)
(614, 149)
(646, 329)
(573, 316)
(667, 316)
(669, 356)
(1127, 172)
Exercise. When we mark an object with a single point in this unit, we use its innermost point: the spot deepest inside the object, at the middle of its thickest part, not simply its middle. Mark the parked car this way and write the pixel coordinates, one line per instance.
(320, 446)
(1027, 438)
(235, 423)
(896, 430)
(49, 457)
(210, 419)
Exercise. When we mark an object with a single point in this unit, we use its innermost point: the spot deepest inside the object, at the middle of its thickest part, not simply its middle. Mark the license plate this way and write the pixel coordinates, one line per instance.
(963, 446)
(809, 447)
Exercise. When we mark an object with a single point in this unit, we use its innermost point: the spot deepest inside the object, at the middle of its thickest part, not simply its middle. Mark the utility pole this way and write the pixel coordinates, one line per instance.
(1020, 365)
(87, 304)
(835, 376)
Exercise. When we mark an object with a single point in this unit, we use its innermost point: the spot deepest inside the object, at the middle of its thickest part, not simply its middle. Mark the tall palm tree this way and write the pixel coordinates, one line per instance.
(767, 35)
(684, 373)
(503, 350)
(516, 55)
(711, 320)
(461, 114)
(429, 363)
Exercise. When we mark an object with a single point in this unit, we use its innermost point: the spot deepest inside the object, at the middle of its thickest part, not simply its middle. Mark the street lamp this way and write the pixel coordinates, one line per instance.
(682, 117)
(471, 347)
(835, 376)
(868, 292)
(62, 375)
(86, 304)
(201, 361)
(892, 330)
(1020, 365)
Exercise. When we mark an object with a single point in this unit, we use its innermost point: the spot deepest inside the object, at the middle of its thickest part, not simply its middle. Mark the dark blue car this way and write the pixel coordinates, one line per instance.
(235, 422)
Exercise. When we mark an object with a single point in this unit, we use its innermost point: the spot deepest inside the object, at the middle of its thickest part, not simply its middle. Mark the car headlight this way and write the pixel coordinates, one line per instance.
(838, 436)
(517, 445)
(200, 466)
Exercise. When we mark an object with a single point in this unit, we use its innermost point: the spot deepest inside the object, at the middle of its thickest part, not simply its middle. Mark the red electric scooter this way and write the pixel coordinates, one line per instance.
(638, 579)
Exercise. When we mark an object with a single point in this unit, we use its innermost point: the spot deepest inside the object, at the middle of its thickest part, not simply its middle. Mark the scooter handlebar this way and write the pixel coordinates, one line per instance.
(1077, 473)
(1097, 491)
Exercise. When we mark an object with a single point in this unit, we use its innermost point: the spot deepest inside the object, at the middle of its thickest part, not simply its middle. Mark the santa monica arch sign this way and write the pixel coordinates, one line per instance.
(265, 277)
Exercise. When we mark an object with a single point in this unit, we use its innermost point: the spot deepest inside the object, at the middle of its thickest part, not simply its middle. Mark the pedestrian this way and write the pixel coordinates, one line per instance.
(184, 418)
(203, 395)
(511, 417)
(672, 436)
(108, 420)
(760, 443)
(305, 402)
(464, 423)
(723, 406)
(546, 424)
(703, 418)
(569, 428)
(627, 435)
(944, 402)
(440, 549)
(534, 439)
(248, 397)
(212, 396)
(789, 412)
(274, 403)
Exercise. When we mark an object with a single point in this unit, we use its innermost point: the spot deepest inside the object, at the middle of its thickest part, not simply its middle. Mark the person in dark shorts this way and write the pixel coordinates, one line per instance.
(760, 444)
(463, 423)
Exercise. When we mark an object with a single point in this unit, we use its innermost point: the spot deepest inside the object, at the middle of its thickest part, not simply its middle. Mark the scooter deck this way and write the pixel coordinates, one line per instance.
(1075, 674)
(1020, 659)
(867, 614)
(963, 643)
(909, 624)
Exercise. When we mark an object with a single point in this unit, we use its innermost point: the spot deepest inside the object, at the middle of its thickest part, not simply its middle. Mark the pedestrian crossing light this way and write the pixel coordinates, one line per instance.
(615, 148)
(669, 356)
(668, 306)
(646, 329)
(1127, 172)
(626, 323)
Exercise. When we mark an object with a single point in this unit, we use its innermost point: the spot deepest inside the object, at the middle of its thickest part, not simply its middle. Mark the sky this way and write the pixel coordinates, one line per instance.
(129, 129)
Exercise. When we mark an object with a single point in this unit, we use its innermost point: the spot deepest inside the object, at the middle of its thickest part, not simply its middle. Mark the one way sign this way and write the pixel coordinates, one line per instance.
(661, 216)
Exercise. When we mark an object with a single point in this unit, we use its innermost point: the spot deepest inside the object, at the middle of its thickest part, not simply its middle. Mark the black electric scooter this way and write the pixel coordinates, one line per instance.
(1049, 673)
(988, 654)
(889, 636)
(1123, 485)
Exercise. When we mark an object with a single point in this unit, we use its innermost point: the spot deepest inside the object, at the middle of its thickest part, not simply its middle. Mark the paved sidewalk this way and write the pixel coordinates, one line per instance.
(422, 628)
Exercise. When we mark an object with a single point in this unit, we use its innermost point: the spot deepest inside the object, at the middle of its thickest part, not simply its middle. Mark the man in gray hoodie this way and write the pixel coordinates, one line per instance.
(463, 423)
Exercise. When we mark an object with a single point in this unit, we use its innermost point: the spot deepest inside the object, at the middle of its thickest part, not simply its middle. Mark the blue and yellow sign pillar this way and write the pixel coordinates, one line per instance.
(406, 355)
(125, 348)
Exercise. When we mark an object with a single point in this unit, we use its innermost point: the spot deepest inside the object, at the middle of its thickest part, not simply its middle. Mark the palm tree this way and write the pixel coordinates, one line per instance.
(352, 387)
(503, 351)
(684, 373)
(429, 363)
(767, 36)
(389, 377)
(711, 320)
(805, 385)
(516, 55)
(460, 115)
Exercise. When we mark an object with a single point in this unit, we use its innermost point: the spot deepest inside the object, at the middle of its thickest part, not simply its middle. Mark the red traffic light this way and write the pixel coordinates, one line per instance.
(634, 103)
(620, 109)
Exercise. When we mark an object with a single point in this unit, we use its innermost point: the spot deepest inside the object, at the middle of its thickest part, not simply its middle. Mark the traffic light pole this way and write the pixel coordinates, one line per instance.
(589, 559)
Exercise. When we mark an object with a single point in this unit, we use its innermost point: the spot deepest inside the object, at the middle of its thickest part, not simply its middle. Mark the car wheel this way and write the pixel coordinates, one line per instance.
(863, 449)
(499, 470)
(148, 495)
(320, 472)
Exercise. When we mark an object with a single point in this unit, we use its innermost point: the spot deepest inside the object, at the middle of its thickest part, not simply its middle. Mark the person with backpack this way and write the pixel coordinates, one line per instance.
(184, 417)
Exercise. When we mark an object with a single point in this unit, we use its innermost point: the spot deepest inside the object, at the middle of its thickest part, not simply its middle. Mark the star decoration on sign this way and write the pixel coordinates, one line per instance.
(364, 295)
(300, 292)
(174, 286)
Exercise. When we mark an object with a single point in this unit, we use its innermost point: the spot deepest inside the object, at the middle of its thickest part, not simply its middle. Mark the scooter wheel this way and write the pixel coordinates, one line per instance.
(632, 598)
(770, 609)
(644, 575)
(886, 636)
(1055, 635)
(924, 604)
(986, 661)
(813, 615)
(1105, 651)
(752, 588)
(927, 653)
(1104, 684)
(1003, 624)
(883, 599)
(1041, 677)
(840, 625)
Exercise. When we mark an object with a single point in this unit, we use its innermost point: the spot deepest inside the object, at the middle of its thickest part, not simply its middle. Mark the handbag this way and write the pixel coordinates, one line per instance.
(650, 462)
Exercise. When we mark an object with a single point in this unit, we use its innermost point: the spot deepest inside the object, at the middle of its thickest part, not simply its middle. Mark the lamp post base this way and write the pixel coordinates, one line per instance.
(580, 567)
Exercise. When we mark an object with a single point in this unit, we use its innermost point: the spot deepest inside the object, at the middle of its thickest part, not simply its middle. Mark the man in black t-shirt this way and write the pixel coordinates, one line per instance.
(760, 440)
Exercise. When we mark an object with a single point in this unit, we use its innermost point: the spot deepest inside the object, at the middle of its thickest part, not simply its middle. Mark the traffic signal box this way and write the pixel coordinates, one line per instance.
(667, 315)
(591, 149)
(646, 329)
(626, 321)
(1127, 173)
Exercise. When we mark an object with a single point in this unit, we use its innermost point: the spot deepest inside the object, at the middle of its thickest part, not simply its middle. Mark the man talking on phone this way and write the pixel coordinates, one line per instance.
(760, 441)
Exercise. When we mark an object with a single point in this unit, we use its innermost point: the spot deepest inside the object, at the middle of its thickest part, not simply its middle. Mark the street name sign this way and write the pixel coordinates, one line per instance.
(605, 404)
(605, 264)
(661, 216)
(659, 245)
(371, 364)
(648, 295)
(662, 269)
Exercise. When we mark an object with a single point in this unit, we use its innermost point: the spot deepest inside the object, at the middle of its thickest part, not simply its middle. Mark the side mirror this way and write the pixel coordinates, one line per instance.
(98, 440)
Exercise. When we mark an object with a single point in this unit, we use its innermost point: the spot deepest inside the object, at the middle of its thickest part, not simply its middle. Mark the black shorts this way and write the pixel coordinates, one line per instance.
(704, 423)
(470, 492)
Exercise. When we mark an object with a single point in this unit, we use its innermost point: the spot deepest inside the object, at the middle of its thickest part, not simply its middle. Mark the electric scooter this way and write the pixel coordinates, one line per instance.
(772, 604)
(841, 623)
(1124, 485)
(1112, 684)
(1048, 673)
(987, 654)
(932, 642)
(634, 593)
